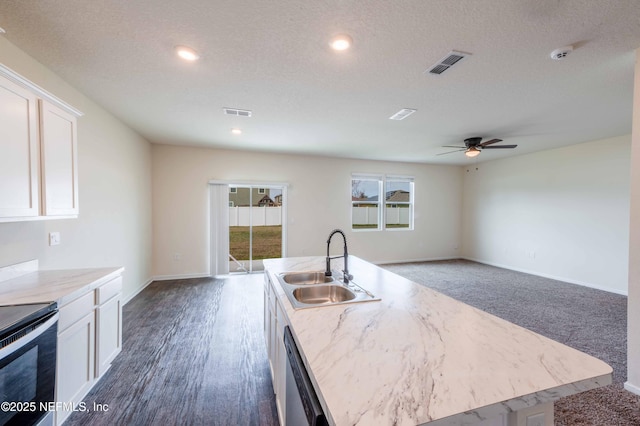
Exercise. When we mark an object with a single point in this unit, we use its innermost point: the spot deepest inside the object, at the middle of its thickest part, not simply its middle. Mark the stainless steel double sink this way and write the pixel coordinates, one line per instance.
(313, 289)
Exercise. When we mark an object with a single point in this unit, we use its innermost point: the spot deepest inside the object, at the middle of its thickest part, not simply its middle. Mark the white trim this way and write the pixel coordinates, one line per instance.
(400, 178)
(632, 388)
(553, 277)
(283, 214)
(35, 218)
(426, 259)
(38, 91)
(242, 183)
(367, 176)
(180, 277)
(135, 293)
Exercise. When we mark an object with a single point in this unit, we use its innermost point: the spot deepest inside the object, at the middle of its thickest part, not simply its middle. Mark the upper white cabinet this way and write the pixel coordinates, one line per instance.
(38, 152)
(59, 147)
(19, 151)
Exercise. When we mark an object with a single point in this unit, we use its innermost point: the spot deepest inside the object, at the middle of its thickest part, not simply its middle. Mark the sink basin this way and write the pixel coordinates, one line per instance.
(319, 295)
(305, 278)
(311, 289)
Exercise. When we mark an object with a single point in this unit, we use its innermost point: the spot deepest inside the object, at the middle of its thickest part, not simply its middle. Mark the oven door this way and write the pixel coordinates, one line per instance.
(27, 373)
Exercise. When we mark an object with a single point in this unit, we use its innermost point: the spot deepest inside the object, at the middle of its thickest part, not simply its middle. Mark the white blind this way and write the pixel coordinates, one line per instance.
(219, 212)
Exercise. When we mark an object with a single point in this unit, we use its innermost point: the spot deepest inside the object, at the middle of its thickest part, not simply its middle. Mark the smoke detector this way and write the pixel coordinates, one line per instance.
(561, 53)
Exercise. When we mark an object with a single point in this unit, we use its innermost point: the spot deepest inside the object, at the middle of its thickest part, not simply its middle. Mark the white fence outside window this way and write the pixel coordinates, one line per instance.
(259, 216)
(369, 216)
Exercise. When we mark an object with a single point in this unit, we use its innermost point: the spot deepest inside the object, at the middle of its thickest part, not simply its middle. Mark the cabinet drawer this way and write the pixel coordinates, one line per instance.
(108, 290)
(76, 310)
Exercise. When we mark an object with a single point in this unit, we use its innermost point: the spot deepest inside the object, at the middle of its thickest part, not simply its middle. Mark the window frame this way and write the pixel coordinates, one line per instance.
(411, 181)
(381, 203)
(370, 178)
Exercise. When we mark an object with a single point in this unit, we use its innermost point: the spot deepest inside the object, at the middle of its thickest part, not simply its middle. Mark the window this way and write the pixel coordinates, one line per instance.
(368, 212)
(233, 190)
(261, 191)
(365, 201)
(398, 196)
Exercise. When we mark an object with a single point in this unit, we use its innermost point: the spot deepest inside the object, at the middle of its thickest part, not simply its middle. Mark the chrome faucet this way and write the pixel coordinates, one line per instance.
(345, 272)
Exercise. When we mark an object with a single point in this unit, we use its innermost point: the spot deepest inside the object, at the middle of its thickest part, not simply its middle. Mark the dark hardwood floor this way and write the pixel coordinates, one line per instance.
(193, 354)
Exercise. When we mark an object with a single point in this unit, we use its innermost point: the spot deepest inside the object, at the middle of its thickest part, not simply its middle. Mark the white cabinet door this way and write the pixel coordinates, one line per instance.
(19, 164)
(108, 333)
(58, 133)
(280, 370)
(75, 363)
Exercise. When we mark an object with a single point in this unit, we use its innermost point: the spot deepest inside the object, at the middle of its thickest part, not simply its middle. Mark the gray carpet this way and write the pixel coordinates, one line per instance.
(592, 321)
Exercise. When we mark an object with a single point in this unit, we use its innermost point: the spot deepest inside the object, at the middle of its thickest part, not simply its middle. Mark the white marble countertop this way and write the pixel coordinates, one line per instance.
(61, 286)
(418, 356)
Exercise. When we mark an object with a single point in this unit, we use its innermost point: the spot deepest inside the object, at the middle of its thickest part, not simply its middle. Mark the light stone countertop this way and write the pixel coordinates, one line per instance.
(61, 286)
(418, 356)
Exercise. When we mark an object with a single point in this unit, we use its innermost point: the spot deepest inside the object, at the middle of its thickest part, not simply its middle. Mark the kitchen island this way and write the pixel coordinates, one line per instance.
(419, 357)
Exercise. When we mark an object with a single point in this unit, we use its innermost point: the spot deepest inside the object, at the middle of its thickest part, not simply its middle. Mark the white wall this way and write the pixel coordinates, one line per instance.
(319, 201)
(114, 226)
(633, 302)
(560, 213)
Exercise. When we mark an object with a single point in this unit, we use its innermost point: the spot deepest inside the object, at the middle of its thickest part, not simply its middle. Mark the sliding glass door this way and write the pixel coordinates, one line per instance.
(256, 230)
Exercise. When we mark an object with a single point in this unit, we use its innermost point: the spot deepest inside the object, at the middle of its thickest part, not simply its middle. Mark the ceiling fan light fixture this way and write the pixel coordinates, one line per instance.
(472, 152)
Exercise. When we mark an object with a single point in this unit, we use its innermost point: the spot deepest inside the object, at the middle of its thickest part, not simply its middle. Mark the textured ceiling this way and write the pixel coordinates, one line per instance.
(273, 58)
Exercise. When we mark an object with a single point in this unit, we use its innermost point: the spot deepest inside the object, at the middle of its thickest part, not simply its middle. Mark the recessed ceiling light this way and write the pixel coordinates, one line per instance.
(236, 131)
(341, 42)
(187, 53)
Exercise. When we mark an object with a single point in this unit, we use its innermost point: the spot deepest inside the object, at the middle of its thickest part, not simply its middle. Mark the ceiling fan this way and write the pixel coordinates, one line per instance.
(473, 146)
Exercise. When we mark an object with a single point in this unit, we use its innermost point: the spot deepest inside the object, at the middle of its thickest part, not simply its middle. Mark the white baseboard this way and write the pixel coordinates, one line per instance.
(553, 277)
(632, 388)
(430, 259)
(131, 296)
(179, 277)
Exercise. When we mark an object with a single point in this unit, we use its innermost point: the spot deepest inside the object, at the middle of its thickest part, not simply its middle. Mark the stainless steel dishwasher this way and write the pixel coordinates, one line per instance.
(302, 405)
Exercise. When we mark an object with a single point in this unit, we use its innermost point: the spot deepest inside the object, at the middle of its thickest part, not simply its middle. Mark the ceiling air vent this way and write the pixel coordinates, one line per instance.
(238, 112)
(447, 62)
(402, 114)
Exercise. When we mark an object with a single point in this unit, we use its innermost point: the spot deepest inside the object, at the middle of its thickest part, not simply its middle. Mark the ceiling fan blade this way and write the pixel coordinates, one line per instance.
(454, 146)
(500, 147)
(457, 150)
(483, 144)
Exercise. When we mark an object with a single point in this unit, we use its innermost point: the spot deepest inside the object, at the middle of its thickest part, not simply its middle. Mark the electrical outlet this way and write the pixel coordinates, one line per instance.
(54, 238)
(535, 420)
(177, 257)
